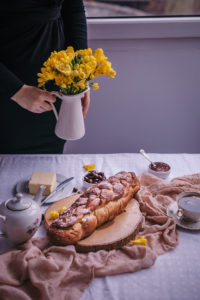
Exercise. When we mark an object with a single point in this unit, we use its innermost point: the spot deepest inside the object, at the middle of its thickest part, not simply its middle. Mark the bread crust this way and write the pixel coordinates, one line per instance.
(96, 206)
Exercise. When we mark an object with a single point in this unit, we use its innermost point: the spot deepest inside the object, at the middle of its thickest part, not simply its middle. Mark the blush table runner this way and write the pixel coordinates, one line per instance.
(37, 270)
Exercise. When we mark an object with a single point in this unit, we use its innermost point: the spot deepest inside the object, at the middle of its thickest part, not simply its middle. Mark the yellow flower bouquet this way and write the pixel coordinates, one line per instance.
(72, 70)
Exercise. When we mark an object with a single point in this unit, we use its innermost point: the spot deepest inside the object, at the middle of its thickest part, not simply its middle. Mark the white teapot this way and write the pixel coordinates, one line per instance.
(21, 216)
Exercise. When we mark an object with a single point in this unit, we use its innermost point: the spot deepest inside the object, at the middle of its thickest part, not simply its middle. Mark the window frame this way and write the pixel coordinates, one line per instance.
(143, 28)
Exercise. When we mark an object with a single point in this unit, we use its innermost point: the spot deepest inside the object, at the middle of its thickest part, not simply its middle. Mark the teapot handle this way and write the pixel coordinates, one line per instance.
(2, 218)
(2, 234)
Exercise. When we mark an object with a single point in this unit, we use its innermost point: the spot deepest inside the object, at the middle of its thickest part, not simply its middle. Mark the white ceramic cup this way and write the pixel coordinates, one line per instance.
(188, 206)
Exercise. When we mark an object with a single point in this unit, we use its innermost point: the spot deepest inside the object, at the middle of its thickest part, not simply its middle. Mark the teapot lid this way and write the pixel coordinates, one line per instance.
(19, 203)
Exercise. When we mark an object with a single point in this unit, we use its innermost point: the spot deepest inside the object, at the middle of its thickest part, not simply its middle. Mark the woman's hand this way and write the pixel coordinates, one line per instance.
(86, 103)
(34, 99)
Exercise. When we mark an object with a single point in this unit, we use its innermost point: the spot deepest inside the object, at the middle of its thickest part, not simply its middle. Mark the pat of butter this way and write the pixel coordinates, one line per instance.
(42, 178)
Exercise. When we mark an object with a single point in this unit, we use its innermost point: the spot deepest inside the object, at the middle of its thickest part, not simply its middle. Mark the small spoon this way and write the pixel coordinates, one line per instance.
(147, 157)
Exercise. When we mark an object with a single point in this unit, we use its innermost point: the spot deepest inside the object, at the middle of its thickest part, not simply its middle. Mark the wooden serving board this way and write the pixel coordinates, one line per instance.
(111, 235)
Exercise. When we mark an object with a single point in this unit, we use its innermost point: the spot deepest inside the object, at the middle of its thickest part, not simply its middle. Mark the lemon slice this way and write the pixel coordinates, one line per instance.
(89, 167)
(139, 241)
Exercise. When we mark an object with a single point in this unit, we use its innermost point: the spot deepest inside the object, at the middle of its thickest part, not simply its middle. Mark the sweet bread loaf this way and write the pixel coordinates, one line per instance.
(97, 205)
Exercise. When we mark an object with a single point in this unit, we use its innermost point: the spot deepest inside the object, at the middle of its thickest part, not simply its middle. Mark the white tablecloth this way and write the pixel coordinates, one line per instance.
(175, 275)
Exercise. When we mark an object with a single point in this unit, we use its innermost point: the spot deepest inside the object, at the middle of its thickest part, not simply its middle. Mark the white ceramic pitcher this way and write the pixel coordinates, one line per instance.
(70, 122)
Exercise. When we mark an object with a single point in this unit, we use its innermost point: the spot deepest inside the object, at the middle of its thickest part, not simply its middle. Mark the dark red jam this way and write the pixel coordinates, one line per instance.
(159, 167)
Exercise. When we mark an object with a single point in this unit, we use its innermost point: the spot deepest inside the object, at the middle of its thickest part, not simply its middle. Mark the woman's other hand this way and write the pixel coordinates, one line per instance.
(86, 103)
(34, 99)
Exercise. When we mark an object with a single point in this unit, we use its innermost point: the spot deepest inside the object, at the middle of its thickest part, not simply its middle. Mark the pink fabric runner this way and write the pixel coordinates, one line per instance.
(37, 270)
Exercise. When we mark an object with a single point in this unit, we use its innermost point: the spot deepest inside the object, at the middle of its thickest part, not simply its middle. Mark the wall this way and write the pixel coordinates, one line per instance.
(154, 101)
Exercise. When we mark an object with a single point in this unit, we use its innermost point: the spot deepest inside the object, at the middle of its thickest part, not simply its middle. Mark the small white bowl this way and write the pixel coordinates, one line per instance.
(160, 174)
(87, 185)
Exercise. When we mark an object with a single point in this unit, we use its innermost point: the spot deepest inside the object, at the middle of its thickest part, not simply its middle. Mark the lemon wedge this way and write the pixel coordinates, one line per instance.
(89, 167)
(139, 241)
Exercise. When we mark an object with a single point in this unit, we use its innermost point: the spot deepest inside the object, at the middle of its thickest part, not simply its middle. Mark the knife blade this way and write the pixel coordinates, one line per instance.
(58, 188)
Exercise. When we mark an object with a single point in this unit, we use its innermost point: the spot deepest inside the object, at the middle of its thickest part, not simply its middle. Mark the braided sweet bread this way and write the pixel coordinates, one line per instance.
(97, 205)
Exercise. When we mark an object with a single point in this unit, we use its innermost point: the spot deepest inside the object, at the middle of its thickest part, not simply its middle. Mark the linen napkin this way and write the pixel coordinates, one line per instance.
(38, 270)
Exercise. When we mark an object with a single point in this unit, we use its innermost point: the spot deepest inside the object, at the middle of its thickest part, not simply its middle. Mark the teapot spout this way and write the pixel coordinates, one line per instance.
(38, 196)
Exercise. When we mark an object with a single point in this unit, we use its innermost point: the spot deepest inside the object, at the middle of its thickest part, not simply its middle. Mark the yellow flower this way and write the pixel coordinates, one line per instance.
(111, 73)
(54, 214)
(62, 209)
(69, 49)
(81, 84)
(95, 86)
(81, 75)
(76, 73)
(72, 70)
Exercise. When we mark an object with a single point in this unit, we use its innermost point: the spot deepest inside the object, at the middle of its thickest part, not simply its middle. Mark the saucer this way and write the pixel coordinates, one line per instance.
(171, 212)
(22, 186)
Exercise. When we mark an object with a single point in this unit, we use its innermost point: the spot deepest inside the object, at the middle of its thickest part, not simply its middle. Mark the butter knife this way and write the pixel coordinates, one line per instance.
(58, 188)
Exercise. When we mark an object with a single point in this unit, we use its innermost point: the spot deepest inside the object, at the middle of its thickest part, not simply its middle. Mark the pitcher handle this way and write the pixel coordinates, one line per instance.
(53, 106)
(54, 110)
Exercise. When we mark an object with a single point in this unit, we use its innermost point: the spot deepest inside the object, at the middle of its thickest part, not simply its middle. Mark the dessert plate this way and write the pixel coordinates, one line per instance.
(22, 187)
(171, 212)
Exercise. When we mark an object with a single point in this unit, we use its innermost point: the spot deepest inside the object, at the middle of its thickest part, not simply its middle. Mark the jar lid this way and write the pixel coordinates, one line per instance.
(18, 203)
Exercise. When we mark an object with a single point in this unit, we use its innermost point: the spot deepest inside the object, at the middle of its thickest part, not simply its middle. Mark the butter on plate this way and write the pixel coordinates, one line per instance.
(42, 178)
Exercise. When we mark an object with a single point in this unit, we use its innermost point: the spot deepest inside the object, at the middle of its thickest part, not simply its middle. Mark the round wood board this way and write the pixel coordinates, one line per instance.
(68, 201)
(111, 235)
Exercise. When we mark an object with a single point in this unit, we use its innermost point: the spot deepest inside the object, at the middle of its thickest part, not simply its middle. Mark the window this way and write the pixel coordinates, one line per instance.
(141, 8)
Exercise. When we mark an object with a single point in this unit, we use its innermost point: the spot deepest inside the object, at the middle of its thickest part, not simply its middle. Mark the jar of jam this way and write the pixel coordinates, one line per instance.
(160, 169)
